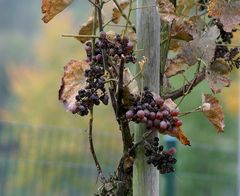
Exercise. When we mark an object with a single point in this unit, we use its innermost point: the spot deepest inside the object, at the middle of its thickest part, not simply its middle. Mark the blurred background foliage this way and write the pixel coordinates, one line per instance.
(44, 150)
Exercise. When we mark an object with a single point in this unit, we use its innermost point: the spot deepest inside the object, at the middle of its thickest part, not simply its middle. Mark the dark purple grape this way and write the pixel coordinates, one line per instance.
(130, 46)
(165, 113)
(99, 57)
(146, 113)
(102, 35)
(129, 114)
(104, 99)
(88, 48)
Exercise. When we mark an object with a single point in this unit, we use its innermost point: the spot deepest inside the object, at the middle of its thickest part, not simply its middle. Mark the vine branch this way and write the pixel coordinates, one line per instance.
(184, 90)
(99, 169)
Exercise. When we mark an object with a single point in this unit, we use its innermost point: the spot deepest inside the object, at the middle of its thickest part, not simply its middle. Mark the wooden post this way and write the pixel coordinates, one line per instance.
(146, 177)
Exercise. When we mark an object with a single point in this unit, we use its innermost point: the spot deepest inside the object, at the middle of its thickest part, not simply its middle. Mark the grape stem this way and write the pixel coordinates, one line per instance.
(198, 109)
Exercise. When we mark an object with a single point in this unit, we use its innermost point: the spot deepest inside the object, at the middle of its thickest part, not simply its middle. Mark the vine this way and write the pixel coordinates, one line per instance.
(202, 39)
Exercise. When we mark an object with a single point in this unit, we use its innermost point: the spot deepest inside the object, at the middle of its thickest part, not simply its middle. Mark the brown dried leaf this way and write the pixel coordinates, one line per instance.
(87, 29)
(217, 75)
(175, 66)
(179, 134)
(131, 89)
(226, 11)
(170, 103)
(201, 47)
(51, 8)
(166, 10)
(175, 45)
(116, 14)
(212, 109)
(72, 81)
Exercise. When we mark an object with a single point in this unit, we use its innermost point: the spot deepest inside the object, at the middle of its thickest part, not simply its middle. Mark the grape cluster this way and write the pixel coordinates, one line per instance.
(229, 55)
(225, 36)
(154, 113)
(220, 51)
(120, 46)
(159, 157)
(94, 92)
(203, 4)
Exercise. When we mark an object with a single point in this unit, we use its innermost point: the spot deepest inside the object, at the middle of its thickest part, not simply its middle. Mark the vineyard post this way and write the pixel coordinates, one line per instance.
(145, 176)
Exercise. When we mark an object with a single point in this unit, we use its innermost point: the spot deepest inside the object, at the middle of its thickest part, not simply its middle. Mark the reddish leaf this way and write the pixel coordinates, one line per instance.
(72, 81)
(226, 11)
(116, 14)
(51, 8)
(179, 134)
(131, 89)
(212, 109)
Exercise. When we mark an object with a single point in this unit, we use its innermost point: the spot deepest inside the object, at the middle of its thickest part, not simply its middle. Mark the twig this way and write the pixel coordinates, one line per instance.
(123, 15)
(119, 25)
(130, 81)
(79, 36)
(128, 17)
(99, 169)
(107, 23)
(187, 92)
(180, 92)
(95, 4)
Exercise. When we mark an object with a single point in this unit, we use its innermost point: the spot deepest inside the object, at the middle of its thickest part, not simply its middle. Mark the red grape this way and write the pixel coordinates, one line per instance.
(179, 123)
(159, 116)
(174, 112)
(140, 114)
